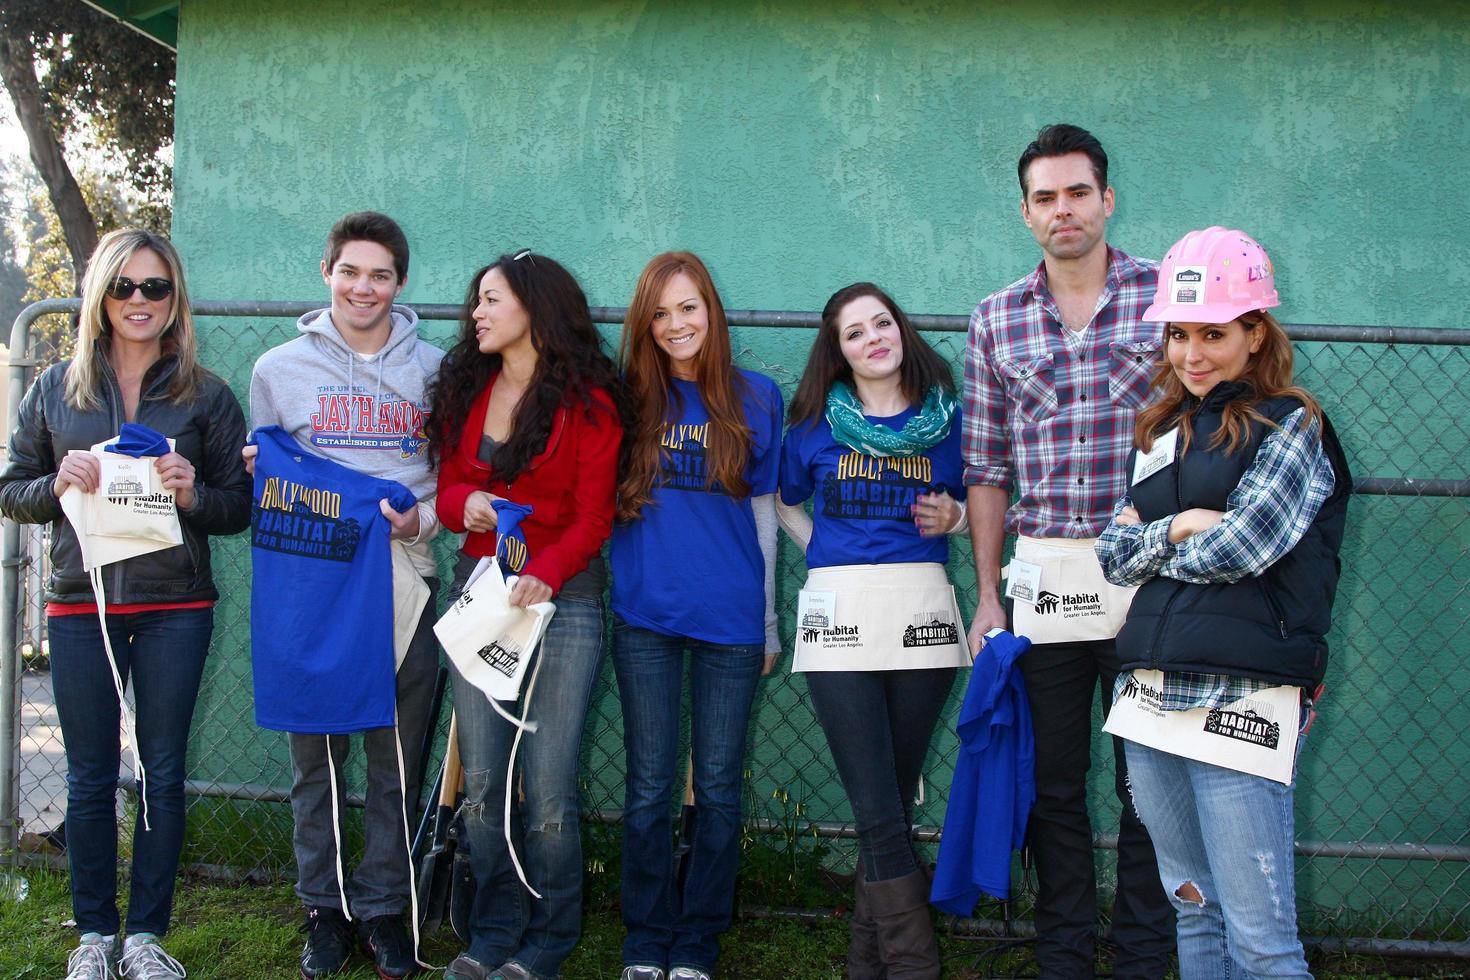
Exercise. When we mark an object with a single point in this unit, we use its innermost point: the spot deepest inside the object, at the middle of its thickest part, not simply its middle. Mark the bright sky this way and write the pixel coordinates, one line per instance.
(12, 138)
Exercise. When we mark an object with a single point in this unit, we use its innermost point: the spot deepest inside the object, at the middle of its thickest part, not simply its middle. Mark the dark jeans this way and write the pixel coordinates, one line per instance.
(380, 884)
(878, 725)
(161, 654)
(668, 927)
(507, 923)
(1061, 679)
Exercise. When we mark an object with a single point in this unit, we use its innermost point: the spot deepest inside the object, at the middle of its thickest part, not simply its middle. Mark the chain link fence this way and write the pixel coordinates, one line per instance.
(1383, 801)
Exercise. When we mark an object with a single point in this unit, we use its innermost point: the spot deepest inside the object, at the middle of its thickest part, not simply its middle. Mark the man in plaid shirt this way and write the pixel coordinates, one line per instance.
(1057, 366)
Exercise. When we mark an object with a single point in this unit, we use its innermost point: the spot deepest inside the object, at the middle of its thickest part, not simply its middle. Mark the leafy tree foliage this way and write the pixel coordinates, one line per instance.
(74, 74)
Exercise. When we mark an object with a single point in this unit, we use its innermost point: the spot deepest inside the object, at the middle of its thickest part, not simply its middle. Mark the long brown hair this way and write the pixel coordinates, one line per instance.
(1267, 373)
(649, 383)
(921, 370)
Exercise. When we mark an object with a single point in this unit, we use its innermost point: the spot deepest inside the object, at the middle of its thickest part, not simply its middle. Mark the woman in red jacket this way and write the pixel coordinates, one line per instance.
(523, 411)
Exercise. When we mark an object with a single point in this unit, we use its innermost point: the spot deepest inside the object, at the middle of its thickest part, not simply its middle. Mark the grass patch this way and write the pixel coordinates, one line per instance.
(245, 930)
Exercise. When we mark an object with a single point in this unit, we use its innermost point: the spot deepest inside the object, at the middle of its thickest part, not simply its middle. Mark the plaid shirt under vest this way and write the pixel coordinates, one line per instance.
(1052, 410)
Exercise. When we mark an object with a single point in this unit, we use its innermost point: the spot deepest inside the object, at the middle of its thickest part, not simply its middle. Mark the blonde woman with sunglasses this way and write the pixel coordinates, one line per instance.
(135, 362)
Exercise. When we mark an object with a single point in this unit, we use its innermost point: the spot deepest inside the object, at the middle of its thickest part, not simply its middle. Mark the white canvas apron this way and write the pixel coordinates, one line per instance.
(1256, 734)
(879, 617)
(1073, 602)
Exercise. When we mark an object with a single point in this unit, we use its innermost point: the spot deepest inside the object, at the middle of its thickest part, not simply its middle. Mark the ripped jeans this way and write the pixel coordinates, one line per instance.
(506, 922)
(1231, 836)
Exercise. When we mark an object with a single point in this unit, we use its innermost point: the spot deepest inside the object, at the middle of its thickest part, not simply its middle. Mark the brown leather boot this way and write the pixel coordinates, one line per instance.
(900, 910)
(864, 962)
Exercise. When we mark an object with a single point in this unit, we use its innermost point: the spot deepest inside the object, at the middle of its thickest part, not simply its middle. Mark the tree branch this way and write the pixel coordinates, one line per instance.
(17, 59)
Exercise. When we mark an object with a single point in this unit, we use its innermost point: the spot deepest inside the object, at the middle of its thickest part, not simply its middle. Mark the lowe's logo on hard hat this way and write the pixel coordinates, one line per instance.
(1188, 284)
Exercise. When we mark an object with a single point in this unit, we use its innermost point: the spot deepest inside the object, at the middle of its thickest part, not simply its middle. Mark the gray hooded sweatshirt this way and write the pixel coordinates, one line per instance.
(367, 412)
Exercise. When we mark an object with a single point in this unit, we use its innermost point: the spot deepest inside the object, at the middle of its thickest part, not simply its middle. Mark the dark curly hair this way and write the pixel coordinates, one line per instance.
(570, 363)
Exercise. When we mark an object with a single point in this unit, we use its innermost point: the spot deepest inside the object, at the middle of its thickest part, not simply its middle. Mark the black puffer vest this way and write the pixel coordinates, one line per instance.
(1271, 627)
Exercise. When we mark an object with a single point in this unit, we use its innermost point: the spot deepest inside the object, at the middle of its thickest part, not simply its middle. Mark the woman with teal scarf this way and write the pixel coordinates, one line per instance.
(875, 442)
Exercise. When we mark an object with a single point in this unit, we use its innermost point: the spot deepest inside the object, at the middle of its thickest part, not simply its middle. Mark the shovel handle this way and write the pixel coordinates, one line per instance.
(453, 770)
(689, 780)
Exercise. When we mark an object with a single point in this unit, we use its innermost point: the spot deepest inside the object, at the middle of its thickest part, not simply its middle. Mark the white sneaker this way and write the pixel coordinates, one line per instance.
(688, 973)
(95, 958)
(144, 959)
(639, 971)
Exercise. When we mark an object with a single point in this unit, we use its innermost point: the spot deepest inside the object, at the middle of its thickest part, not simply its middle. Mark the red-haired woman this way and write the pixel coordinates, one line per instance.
(693, 565)
(1230, 529)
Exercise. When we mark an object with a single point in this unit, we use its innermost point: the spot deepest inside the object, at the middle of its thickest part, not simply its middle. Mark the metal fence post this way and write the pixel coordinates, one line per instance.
(10, 562)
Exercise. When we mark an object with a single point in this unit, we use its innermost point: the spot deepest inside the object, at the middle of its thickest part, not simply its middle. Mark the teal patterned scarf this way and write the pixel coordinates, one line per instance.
(924, 431)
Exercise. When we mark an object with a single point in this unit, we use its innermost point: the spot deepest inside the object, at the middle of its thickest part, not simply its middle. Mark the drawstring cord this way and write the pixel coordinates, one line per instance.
(129, 721)
(337, 828)
(522, 726)
(413, 884)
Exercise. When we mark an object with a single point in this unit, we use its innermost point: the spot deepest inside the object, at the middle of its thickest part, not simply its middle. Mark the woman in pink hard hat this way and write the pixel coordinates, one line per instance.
(1230, 529)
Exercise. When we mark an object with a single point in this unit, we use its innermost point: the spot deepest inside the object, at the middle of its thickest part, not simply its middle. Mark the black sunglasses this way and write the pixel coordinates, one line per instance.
(122, 288)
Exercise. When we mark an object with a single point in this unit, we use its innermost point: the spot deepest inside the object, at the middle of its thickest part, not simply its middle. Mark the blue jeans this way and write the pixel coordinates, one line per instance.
(506, 923)
(161, 654)
(878, 725)
(380, 884)
(1230, 835)
(668, 926)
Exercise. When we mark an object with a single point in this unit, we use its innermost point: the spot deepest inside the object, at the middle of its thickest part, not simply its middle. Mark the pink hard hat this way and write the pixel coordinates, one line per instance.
(1213, 276)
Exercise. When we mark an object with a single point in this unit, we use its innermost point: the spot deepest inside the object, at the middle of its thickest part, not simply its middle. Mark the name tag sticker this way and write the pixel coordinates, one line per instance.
(816, 610)
(1161, 455)
(126, 476)
(1023, 581)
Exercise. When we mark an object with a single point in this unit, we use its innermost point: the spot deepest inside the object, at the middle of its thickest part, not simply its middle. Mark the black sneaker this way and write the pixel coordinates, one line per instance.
(328, 942)
(386, 940)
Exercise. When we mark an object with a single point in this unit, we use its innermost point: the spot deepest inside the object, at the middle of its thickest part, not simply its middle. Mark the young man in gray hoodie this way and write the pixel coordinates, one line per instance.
(352, 388)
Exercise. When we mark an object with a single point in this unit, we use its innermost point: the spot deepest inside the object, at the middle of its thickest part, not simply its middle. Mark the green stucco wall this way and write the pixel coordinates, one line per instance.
(799, 148)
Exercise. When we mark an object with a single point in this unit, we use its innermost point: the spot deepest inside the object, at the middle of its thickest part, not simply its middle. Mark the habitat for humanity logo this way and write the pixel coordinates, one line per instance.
(1070, 605)
(146, 505)
(504, 657)
(930, 630)
(836, 636)
(1247, 726)
(296, 519)
(876, 488)
(1151, 696)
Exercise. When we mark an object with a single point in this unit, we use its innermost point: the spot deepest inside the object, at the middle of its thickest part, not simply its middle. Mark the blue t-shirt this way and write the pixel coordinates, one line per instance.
(691, 565)
(321, 599)
(863, 513)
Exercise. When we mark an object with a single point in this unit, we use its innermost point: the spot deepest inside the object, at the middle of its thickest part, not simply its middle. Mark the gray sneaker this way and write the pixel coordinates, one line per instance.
(688, 973)
(95, 958)
(642, 971)
(144, 959)
(466, 967)
(511, 970)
